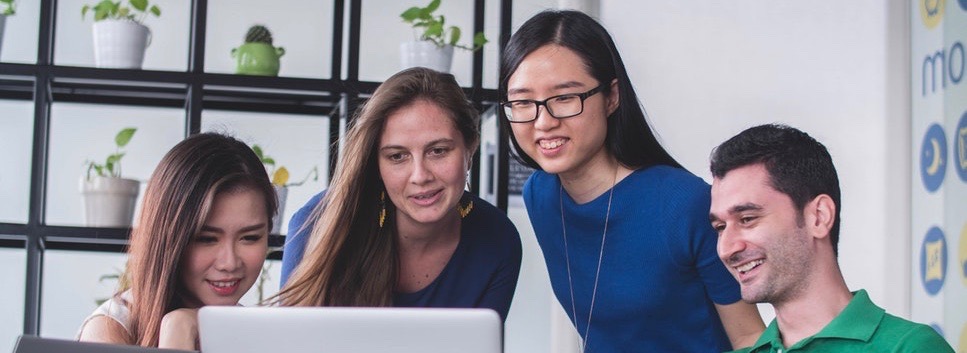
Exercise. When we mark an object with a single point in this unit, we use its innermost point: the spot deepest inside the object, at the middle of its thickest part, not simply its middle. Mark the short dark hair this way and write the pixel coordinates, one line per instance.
(798, 165)
(629, 137)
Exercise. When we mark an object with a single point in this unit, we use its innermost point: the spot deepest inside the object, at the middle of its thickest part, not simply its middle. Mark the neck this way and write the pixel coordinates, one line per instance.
(808, 313)
(422, 236)
(594, 179)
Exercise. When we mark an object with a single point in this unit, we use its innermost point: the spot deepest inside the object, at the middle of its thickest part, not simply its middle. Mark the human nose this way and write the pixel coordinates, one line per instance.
(544, 119)
(729, 244)
(227, 258)
(421, 173)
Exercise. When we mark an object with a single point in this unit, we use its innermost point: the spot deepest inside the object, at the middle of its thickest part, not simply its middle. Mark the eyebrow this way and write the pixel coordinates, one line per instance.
(748, 206)
(208, 228)
(431, 143)
(568, 84)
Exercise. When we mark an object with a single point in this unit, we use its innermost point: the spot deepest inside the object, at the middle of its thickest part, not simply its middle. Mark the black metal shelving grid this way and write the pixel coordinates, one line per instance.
(192, 90)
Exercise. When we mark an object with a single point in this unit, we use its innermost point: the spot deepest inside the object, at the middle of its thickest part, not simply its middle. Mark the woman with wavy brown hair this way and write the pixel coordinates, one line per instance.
(201, 239)
(396, 227)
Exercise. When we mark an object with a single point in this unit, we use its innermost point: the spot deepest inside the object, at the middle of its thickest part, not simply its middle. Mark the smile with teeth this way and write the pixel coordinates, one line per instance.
(749, 266)
(551, 144)
(223, 284)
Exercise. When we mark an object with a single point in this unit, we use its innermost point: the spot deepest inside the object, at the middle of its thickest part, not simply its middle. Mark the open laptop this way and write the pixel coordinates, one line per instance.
(34, 344)
(234, 329)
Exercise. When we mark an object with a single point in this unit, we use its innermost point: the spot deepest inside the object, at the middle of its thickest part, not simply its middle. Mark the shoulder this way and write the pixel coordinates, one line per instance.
(104, 329)
(676, 187)
(487, 225)
(910, 336)
(539, 182)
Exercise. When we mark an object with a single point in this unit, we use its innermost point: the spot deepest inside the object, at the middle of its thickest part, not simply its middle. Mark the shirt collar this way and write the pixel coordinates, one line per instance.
(858, 321)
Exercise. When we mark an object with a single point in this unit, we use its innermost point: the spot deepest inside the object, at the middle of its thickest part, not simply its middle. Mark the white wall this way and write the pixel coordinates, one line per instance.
(706, 70)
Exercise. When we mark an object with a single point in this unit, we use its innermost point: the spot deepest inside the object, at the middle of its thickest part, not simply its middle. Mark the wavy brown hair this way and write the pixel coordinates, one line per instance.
(176, 203)
(349, 259)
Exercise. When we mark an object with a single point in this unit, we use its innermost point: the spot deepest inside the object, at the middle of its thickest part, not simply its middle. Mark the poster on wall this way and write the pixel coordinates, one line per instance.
(939, 150)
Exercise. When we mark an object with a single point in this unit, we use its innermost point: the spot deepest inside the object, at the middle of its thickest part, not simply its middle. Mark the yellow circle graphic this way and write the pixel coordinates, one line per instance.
(963, 340)
(931, 12)
(962, 264)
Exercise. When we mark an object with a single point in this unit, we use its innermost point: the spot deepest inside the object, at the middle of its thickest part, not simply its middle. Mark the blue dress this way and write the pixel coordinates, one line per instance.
(660, 272)
(482, 273)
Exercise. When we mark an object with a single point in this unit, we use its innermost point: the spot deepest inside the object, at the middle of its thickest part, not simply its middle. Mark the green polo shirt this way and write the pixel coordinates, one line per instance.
(861, 327)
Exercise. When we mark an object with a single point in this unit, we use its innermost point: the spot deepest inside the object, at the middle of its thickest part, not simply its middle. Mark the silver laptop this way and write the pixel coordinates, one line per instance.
(34, 344)
(234, 329)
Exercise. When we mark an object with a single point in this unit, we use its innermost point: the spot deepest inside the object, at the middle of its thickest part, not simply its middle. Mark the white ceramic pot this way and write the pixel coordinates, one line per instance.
(281, 192)
(120, 44)
(425, 54)
(109, 202)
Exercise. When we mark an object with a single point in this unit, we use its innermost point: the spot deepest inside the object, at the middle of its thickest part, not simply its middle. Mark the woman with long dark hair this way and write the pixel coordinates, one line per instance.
(623, 227)
(201, 239)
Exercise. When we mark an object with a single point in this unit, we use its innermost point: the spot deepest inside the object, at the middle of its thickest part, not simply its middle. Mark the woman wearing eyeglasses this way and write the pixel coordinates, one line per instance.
(623, 227)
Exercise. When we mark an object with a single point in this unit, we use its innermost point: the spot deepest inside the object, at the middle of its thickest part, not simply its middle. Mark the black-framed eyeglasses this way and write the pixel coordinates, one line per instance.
(559, 107)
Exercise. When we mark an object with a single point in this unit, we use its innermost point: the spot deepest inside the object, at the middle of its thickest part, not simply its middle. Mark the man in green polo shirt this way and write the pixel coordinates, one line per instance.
(775, 205)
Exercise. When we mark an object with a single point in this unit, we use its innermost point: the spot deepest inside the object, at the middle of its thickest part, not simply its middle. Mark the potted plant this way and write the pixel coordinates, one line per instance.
(433, 48)
(120, 36)
(257, 56)
(109, 199)
(7, 8)
(280, 179)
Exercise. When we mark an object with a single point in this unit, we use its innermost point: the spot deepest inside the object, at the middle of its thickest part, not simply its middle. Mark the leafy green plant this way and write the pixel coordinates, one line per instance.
(136, 10)
(280, 175)
(8, 7)
(112, 165)
(435, 29)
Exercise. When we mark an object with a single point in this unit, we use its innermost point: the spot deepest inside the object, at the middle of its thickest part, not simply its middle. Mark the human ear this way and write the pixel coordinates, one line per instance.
(613, 99)
(820, 214)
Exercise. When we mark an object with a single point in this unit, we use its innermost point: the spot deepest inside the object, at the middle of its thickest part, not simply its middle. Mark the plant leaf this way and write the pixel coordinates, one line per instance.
(114, 158)
(411, 14)
(140, 5)
(124, 12)
(258, 151)
(84, 10)
(479, 40)
(433, 6)
(155, 11)
(454, 35)
(434, 30)
(268, 160)
(124, 136)
(280, 177)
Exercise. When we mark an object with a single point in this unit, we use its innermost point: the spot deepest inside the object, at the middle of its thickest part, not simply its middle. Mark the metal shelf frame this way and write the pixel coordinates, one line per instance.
(193, 90)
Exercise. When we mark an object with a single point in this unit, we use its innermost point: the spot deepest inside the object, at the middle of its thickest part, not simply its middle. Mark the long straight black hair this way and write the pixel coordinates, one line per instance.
(629, 137)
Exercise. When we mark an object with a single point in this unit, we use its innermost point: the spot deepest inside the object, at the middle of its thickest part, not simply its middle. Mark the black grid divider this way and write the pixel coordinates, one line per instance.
(193, 90)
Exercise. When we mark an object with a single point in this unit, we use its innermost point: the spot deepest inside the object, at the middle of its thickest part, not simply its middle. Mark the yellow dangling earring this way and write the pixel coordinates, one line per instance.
(382, 208)
(464, 208)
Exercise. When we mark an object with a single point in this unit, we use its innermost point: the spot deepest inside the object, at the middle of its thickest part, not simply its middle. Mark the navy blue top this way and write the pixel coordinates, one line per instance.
(660, 272)
(482, 273)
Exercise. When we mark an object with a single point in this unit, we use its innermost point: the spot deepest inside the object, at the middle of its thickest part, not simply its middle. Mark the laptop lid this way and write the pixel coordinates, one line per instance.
(34, 344)
(234, 329)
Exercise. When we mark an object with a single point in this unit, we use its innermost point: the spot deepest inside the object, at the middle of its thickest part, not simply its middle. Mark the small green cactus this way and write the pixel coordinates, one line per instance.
(258, 34)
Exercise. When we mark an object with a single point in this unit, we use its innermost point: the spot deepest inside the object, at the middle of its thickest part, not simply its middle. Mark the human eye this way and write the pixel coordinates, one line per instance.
(396, 157)
(719, 227)
(438, 151)
(520, 104)
(566, 98)
(747, 219)
(252, 238)
(205, 239)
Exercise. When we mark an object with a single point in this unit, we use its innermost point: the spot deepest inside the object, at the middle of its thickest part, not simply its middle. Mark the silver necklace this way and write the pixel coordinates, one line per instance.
(597, 272)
